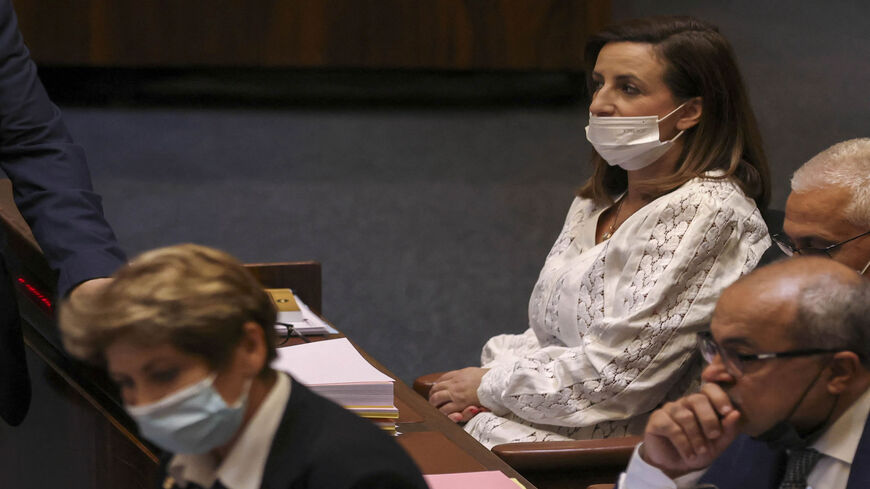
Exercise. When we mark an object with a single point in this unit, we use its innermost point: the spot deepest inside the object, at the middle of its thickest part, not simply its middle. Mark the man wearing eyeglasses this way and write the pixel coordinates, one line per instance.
(786, 394)
(828, 210)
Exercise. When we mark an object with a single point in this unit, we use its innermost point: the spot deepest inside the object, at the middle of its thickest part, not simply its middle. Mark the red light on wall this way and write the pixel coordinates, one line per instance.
(35, 294)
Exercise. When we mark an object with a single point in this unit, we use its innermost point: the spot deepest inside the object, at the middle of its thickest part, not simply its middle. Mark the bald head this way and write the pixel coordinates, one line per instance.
(818, 302)
(786, 278)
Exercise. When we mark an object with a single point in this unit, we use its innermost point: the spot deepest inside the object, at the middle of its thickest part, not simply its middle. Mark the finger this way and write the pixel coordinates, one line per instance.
(447, 375)
(450, 407)
(661, 425)
(438, 398)
(455, 417)
(730, 429)
(439, 386)
(685, 418)
(718, 398)
(468, 413)
(706, 416)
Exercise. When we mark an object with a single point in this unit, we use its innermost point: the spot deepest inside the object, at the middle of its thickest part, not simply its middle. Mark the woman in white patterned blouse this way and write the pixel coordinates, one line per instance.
(669, 218)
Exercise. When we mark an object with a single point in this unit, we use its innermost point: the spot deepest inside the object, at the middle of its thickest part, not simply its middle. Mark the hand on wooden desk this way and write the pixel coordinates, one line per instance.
(455, 393)
(466, 414)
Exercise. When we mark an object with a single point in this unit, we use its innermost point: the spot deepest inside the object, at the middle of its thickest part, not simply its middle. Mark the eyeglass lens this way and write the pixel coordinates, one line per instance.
(709, 349)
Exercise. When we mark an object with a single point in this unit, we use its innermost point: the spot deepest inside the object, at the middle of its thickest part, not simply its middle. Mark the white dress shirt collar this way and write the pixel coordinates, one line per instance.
(841, 440)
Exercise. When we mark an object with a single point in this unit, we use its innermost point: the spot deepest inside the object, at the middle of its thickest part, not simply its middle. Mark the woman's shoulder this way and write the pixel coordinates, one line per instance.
(584, 203)
(713, 190)
(581, 208)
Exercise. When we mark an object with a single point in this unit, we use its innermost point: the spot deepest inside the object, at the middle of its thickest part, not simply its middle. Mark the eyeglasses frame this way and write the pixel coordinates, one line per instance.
(282, 340)
(786, 246)
(706, 345)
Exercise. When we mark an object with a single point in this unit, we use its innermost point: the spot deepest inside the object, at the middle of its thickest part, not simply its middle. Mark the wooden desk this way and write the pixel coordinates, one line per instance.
(436, 444)
(77, 434)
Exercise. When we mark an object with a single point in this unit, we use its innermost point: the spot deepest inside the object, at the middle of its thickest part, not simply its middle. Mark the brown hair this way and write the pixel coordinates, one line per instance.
(699, 62)
(195, 298)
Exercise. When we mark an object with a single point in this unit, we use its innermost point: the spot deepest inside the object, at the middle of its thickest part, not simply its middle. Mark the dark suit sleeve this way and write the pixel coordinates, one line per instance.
(49, 172)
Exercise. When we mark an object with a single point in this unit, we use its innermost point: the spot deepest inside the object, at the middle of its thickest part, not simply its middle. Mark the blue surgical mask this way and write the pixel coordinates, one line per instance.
(195, 419)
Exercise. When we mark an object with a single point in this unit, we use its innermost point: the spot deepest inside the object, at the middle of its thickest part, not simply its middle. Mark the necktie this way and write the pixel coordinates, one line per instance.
(800, 463)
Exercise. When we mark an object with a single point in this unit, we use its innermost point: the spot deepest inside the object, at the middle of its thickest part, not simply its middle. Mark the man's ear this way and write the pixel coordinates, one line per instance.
(845, 367)
(691, 114)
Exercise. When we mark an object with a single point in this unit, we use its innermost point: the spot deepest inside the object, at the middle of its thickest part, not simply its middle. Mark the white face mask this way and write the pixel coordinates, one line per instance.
(629, 142)
(195, 419)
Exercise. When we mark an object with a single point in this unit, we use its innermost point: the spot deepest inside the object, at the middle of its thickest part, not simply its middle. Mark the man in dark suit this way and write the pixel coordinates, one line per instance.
(787, 390)
(828, 210)
(53, 191)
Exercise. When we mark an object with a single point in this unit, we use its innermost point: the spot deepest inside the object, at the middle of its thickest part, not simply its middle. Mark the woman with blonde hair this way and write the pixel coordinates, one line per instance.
(187, 333)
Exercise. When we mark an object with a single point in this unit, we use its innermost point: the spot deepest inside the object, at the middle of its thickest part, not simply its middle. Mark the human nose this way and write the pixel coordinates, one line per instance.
(716, 371)
(602, 103)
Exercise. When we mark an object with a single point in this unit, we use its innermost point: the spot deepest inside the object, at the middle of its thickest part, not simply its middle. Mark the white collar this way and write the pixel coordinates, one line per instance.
(840, 441)
(244, 465)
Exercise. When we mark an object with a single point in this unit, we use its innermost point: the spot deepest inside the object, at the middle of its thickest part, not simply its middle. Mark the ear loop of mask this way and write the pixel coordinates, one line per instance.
(672, 112)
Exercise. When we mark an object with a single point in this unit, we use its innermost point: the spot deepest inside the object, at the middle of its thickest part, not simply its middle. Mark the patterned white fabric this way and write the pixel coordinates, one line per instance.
(612, 325)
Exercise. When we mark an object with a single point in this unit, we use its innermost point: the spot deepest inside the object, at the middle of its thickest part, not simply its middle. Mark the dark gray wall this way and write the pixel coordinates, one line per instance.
(432, 224)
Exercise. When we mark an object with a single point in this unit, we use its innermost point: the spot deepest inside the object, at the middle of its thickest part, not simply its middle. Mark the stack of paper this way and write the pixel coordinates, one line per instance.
(335, 370)
(467, 480)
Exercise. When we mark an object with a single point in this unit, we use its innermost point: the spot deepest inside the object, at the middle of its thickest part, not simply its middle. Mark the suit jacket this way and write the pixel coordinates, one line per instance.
(321, 445)
(53, 191)
(749, 464)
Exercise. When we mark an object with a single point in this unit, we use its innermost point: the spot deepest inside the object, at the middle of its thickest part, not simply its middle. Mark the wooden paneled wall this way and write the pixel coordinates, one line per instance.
(379, 34)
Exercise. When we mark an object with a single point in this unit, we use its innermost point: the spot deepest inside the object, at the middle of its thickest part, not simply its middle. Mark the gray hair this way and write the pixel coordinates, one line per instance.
(846, 165)
(834, 314)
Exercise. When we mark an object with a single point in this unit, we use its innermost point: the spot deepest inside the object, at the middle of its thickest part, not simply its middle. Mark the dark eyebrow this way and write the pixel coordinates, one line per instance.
(622, 78)
(629, 78)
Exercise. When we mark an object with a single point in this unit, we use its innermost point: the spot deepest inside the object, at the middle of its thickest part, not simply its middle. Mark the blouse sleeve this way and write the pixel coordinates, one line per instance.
(508, 348)
(664, 270)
